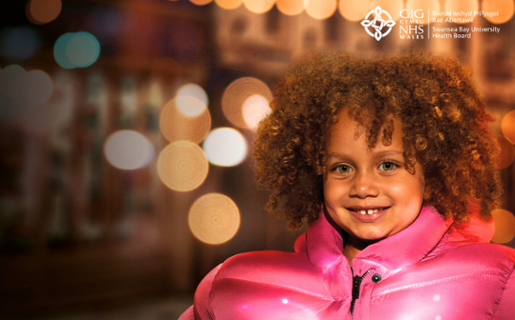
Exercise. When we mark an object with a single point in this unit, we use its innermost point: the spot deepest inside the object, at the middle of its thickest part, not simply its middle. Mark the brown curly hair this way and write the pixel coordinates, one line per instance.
(444, 125)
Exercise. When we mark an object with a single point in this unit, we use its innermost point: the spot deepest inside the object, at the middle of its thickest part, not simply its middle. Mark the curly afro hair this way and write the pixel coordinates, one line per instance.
(444, 125)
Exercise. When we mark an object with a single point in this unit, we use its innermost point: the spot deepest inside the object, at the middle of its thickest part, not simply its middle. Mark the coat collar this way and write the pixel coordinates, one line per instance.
(325, 243)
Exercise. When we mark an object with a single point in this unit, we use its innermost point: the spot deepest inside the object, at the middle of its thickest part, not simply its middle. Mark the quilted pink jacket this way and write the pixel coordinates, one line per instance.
(432, 270)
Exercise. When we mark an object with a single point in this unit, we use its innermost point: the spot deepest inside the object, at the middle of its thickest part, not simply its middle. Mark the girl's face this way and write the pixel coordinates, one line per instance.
(368, 192)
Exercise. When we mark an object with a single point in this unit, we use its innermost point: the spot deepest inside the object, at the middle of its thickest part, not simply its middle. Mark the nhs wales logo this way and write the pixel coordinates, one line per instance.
(378, 23)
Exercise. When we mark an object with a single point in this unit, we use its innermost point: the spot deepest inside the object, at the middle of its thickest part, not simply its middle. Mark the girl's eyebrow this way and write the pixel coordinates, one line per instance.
(388, 152)
(343, 156)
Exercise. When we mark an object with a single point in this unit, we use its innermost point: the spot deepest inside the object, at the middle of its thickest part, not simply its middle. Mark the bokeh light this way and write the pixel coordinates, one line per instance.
(176, 125)
(18, 44)
(456, 6)
(83, 49)
(320, 9)
(393, 7)
(128, 150)
(237, 93)
(425, 6)
(60, 51)
(201, 2)
(354, 10)
(501, 10)
(43, 11)
(214, 218)
(258, 6)
(14, 78)
(182, 166)
(254, 109)
(504, 226)
(507, 153)
(38, 86)
(225, 147)
(188, 106)
(76, 50)
(229, 4)
(290, 7)
(508, 126)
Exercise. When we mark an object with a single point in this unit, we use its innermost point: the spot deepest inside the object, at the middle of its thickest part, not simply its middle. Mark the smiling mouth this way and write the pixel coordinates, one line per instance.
(367, 211)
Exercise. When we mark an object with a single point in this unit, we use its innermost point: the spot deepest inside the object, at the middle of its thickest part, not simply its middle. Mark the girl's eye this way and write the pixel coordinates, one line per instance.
(387, 166)
(343, 168)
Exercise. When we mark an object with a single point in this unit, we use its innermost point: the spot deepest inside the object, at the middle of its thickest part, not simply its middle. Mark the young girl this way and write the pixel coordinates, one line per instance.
(392, 165)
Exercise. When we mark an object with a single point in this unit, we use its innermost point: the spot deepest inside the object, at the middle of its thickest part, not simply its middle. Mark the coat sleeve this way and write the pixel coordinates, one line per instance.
(201, 309)
(506, 308)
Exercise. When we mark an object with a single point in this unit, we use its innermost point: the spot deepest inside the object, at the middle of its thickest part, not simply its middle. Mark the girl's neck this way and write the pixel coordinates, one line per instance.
(353, 247)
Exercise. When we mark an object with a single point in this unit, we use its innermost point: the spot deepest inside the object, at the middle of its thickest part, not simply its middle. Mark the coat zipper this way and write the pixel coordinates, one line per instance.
(356, 284)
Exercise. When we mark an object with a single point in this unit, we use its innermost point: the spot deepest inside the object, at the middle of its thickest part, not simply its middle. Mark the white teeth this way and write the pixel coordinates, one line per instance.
(370, 211)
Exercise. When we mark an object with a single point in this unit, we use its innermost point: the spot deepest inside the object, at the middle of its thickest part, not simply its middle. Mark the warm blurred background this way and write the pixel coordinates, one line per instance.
(126, 129)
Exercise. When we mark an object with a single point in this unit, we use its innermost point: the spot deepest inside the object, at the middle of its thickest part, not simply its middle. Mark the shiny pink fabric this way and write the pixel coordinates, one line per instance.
(431, 270)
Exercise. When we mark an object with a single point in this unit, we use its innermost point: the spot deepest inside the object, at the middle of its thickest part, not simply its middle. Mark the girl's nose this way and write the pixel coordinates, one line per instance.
(363, 186)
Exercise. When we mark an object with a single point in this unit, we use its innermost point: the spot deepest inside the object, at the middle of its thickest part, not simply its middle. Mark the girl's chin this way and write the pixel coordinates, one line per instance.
(369, 237)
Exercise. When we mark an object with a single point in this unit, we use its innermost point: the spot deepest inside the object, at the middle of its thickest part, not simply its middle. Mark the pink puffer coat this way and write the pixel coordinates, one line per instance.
(431, 270)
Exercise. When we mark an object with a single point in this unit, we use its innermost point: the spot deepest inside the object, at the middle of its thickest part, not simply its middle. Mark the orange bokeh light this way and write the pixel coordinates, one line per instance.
(508, 126)
(290, 7)
(201, 2)
(354, 10)
(393, 7)
(229, 4)
(457, 6)
(43, 11)
(424, 5)
(214, 218)
(182, 166)
(320, 9)
(507, 153)
(501, 10)
(259, 6)
(176, 125)
(237, 93)
(504, 226)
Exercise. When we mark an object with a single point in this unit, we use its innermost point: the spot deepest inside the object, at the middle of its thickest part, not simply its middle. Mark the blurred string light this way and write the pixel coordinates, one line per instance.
(504, 8)
(13, 81)
(182, 166)
(128, 150)
(504, 226)
(456, 6)
(290, 7)
(225, 147)
(259, 6)
(38, 86)
(18, 44)
(214, 218)
(237, 93)
(254, 109)
(34, 87)
(425, 6)
(507, 154)
(76, 50)
(43, 11)
(201, 2)
(508, 126)
(393, 7)
(320, 9)
(184, 104)
(229, 4)
(354, 10)
(176, 124)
